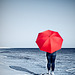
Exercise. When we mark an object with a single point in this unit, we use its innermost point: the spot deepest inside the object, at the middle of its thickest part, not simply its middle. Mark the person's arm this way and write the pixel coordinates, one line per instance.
(46, 54)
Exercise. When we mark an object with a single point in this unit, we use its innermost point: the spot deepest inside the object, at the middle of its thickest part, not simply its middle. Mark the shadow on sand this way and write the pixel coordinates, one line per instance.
(22, 69)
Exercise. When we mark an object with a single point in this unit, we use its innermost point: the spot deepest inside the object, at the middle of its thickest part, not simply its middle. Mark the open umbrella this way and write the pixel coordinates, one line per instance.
(49, 41)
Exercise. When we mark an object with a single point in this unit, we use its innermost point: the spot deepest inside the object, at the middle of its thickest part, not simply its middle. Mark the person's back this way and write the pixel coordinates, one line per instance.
(51, 62)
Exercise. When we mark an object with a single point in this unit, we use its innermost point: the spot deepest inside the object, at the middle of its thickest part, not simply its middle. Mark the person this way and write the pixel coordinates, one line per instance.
(51, 62)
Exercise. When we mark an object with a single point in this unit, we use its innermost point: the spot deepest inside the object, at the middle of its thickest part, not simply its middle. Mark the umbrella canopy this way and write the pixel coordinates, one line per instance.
(49, 41)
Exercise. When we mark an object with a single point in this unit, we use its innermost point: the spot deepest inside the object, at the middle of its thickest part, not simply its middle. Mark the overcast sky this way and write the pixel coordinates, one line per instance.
(22, 20)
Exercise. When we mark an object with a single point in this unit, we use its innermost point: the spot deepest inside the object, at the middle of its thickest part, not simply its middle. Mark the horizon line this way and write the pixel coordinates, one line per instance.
(26, 47)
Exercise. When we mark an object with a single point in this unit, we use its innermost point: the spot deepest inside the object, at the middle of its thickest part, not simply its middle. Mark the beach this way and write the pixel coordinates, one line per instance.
(32, 61)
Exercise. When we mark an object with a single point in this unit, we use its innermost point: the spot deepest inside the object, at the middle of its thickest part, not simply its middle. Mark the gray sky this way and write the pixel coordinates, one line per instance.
(22, 20)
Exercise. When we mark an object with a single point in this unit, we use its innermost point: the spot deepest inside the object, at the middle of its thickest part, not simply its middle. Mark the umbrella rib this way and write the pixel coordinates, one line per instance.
(44, 43)
(55, 40)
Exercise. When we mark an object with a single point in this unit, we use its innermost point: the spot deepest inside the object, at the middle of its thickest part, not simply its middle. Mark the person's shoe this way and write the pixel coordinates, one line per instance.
(52, 73)
(49, 72)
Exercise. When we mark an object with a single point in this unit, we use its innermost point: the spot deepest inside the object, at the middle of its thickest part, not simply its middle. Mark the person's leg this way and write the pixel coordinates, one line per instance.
(53, 60)
(48, 62)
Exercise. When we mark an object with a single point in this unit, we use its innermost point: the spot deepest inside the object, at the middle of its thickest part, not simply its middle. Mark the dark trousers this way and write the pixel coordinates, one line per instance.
(51, 60)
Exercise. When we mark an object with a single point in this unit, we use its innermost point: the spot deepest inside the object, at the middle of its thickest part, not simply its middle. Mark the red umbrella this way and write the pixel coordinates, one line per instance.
(49, 41)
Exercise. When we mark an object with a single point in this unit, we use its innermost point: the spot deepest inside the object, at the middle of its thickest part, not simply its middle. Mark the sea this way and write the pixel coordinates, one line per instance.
(33, 61)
